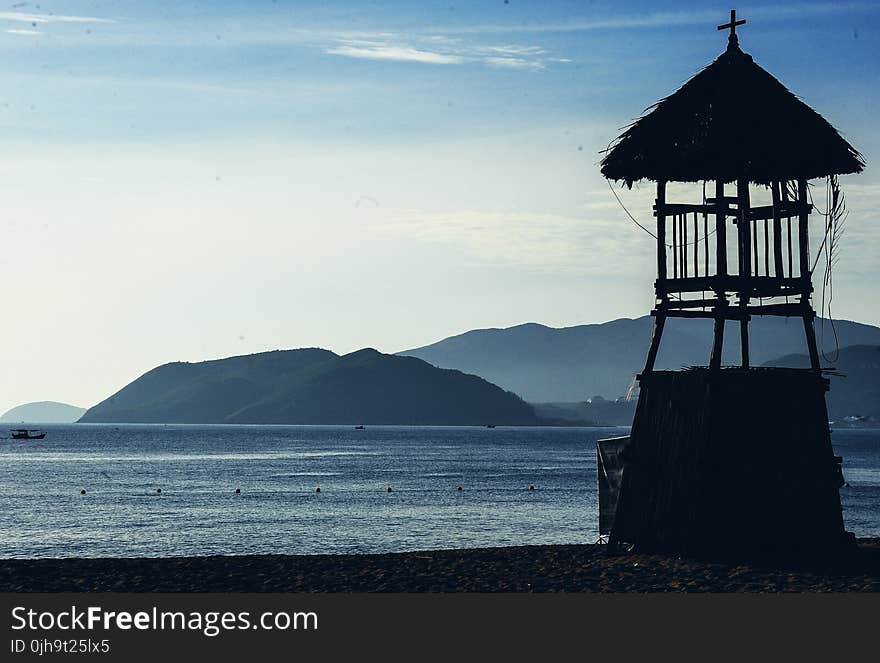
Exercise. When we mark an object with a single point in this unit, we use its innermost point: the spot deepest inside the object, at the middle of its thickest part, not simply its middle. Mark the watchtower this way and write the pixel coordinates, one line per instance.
(720, 456)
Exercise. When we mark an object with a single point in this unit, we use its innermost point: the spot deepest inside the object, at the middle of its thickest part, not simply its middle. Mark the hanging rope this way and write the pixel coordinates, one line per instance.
(835, 219)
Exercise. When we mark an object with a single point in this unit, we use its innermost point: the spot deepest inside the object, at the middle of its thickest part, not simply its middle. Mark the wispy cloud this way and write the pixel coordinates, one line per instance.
(24, 17)
(21, 31)
(438, 49)
(514, 63)
(379, 51)
(665, 19)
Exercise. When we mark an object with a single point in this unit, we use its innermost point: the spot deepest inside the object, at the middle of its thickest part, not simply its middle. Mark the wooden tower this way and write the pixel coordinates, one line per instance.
(731, 457)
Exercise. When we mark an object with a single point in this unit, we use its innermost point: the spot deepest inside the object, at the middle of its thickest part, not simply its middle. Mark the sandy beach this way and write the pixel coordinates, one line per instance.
(561, 568)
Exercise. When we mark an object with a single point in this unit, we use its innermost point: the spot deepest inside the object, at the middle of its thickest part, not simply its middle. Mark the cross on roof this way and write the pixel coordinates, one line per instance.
(733, 40)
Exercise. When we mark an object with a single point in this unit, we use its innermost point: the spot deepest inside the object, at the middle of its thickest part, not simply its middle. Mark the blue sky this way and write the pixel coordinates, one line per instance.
(187, 180)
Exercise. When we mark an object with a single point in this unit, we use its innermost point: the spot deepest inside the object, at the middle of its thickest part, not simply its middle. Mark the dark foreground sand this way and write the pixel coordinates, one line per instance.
(582, 568)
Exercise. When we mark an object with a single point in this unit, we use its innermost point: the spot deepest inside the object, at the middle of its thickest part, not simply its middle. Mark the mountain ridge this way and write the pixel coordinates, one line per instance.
(568, 364)
(311, 386)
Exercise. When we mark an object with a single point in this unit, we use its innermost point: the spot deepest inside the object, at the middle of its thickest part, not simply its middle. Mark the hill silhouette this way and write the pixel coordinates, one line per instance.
(312, 386)
(570, 364)
(43, 412)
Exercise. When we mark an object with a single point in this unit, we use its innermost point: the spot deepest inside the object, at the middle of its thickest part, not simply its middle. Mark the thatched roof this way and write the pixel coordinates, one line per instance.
(733, 119)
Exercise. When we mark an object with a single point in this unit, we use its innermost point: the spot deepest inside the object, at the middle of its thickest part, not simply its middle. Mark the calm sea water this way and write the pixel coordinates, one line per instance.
(278, 469)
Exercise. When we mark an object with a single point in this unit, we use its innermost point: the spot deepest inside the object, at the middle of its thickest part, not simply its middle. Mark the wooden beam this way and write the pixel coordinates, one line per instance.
(744, 339)
(763, 286)
(738, 312)
(682, 208)
(810, 332)
(766, 249)
(661, 230)
(718, 339)
(778, 267)
(803, 231)
(728, 313)
(784, 210)
(659, 322)
(720, 233)
(684, 244)
(744, 228)
(706, 244)
(720, 196)
(787, 310)
(690, 303)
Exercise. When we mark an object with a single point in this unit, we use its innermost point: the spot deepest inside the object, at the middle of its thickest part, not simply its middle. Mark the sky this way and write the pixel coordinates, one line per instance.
(183, 181)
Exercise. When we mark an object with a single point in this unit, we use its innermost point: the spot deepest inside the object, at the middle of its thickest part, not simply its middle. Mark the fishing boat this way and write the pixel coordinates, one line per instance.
(27, 434)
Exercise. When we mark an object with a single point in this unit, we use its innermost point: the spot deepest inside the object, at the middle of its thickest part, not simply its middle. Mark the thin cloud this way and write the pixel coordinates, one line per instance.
(394, 53)
(440, 49)
(514, 63)
(24, 17)
(16, 31)
(664, 19)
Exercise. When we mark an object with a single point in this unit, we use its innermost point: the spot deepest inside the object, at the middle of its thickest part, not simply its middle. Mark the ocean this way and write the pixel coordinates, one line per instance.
(278, 469)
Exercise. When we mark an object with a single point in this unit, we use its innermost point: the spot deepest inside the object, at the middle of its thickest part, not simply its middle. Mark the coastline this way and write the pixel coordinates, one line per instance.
(552, 568)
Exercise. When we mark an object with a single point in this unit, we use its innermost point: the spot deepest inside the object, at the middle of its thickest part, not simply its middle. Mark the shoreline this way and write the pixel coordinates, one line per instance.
(551, 568)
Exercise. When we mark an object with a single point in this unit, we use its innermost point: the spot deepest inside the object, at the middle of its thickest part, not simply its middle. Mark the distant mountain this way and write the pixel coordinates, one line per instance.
(855, 393)
(544, 364)
(312, 386)
(43, 412)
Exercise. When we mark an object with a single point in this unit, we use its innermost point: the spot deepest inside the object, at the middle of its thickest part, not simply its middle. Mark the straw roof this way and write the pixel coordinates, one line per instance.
(733, 119)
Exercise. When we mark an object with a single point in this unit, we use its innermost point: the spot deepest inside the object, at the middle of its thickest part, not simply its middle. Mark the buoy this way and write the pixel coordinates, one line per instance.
(460, 489)
(389, 489)
(82, 492)
(318, 489)
(237, 491)
(158, 491)
(531, 486)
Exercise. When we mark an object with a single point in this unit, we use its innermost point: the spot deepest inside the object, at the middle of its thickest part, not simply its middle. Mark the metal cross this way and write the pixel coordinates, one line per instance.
(733, 39)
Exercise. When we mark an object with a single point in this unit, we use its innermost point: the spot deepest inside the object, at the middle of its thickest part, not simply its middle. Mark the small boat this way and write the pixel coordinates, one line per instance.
(358, 427)
(490, 425)
(27, 434)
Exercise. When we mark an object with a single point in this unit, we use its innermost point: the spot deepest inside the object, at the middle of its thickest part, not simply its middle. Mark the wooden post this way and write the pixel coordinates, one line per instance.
(718, 342)
(803, 233)
(744, 227)
(721, 271)
(742, 193)
(720, 231)
(659, 322)
(778, 267)
(785, 197)
(766, 249)
(810, 331)
(661, 231)
(682, 219)
(806, 277)
(706, 244)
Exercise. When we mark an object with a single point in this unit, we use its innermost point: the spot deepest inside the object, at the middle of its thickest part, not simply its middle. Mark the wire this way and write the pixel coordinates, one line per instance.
(633, 219)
